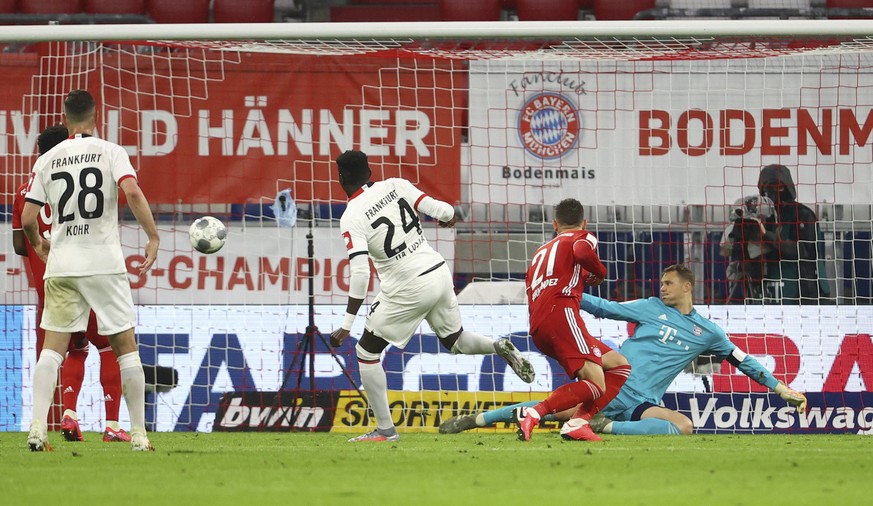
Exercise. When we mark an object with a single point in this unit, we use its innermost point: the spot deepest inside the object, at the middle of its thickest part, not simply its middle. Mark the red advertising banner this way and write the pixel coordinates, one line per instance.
(207, 131)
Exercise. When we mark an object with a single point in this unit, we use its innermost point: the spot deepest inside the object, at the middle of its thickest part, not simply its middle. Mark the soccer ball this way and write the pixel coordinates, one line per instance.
(207, 234)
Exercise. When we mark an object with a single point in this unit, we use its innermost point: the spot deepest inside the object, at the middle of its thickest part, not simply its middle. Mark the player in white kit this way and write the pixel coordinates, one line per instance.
(85, 269)
(381, 224)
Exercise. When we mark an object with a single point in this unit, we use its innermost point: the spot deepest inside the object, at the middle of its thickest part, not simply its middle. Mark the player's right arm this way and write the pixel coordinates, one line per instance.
(34, 200)
(359, 276)
(139, 205)
(627, 311)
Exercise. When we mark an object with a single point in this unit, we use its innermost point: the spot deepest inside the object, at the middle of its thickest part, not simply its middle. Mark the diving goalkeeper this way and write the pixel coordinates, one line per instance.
(669, 335)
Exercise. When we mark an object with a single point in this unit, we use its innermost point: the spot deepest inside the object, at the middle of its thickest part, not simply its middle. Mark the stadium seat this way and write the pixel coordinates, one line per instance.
(179, 11)
(466, 10)
(849, 4)
(380, 13)
(606, 10)
(547, 10)
(50, 6)
(8, 6)
(234, 11)
(115, 6)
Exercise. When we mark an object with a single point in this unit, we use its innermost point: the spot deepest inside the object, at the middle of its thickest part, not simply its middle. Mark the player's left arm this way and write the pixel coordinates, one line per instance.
(754, 370)
(585, 254)
(421, 202)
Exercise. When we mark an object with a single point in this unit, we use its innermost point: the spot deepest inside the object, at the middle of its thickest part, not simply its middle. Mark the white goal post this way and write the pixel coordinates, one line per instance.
(659, 127)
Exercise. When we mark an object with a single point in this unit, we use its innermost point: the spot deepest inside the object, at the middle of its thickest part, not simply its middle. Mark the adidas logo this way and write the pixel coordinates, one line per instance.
(68, 390)
(663, 317)
(108, 398)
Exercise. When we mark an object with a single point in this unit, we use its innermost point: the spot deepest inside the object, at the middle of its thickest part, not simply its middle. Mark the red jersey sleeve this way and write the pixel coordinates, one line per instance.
(18, 207)
(585, 253)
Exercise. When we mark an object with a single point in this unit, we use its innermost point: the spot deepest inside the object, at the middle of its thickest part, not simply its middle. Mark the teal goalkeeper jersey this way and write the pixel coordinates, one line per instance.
(665, 341)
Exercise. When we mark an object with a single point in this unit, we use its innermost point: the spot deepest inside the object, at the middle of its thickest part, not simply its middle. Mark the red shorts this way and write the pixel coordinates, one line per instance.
(563, 336)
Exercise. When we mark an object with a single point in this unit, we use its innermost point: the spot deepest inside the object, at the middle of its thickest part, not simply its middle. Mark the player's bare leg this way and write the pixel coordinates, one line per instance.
(133, 386)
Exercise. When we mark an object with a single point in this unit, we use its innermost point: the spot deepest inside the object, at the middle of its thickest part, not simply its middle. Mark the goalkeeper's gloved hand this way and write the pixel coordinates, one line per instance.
(791, 396)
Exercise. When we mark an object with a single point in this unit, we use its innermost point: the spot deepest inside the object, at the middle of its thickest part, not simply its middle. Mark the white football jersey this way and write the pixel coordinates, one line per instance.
(382, 220)
(79, 179)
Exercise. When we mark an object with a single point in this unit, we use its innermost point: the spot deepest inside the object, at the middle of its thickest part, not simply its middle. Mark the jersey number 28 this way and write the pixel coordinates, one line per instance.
(88, 186)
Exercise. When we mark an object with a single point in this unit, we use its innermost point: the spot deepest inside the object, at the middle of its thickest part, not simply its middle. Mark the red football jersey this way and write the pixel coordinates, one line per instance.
(558, 272)
(44, 221)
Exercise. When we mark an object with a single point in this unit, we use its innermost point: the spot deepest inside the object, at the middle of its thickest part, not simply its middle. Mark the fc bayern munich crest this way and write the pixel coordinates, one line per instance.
(548, 125)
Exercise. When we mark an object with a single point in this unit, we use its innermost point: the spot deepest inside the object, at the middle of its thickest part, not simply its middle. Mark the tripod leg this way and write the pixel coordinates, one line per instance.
(339, 362)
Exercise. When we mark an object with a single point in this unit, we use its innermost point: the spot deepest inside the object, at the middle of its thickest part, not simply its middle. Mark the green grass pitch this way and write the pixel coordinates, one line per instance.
(422, 469)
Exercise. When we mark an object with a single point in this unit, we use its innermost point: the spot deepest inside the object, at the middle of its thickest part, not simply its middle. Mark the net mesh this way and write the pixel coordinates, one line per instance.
(660, 138)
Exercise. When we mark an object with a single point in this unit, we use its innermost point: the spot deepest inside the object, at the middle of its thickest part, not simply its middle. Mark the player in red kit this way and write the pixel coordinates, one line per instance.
(73, 372)
(557, 274)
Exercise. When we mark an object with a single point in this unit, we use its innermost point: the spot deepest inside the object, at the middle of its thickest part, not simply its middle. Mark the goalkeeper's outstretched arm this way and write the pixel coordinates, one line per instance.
(753, 369)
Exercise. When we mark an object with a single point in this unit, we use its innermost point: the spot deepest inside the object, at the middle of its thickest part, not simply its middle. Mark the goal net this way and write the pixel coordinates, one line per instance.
(662, 130)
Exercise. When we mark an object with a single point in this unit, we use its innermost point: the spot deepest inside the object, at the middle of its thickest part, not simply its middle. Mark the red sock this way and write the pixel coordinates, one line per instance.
(615, 379)
(110, 378)
(569, 395)
(72, 375)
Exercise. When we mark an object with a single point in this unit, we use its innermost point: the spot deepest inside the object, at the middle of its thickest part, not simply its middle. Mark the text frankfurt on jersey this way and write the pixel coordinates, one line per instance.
(548, 173)
(381, 203)
(59, 163)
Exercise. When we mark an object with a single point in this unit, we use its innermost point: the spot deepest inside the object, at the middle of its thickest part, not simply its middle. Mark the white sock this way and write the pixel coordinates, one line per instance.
(45, 376)
(376, 384)
(471, 343)
(133, 387)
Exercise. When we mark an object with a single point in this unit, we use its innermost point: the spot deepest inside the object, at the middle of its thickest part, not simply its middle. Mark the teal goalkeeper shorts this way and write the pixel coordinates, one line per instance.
(627, 406)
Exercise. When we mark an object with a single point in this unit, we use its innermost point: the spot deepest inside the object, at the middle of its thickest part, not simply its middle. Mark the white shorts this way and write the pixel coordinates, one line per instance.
(69, 301)
(428, 297)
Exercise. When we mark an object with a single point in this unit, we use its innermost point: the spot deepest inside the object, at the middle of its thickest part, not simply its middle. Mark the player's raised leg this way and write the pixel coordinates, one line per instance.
(445, 319)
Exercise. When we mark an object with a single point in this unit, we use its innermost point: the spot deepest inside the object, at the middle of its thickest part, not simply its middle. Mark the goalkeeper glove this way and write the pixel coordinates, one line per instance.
(791, 396)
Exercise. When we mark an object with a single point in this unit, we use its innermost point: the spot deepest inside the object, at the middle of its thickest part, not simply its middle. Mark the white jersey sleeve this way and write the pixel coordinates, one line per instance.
(120, 165)
(424, 203)
(36, 189)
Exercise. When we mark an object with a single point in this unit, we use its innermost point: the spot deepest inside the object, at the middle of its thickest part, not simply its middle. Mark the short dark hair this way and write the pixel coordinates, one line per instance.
(569, 212)
(79, 106)
(51, 137)
(681, 270)
(354, 168)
